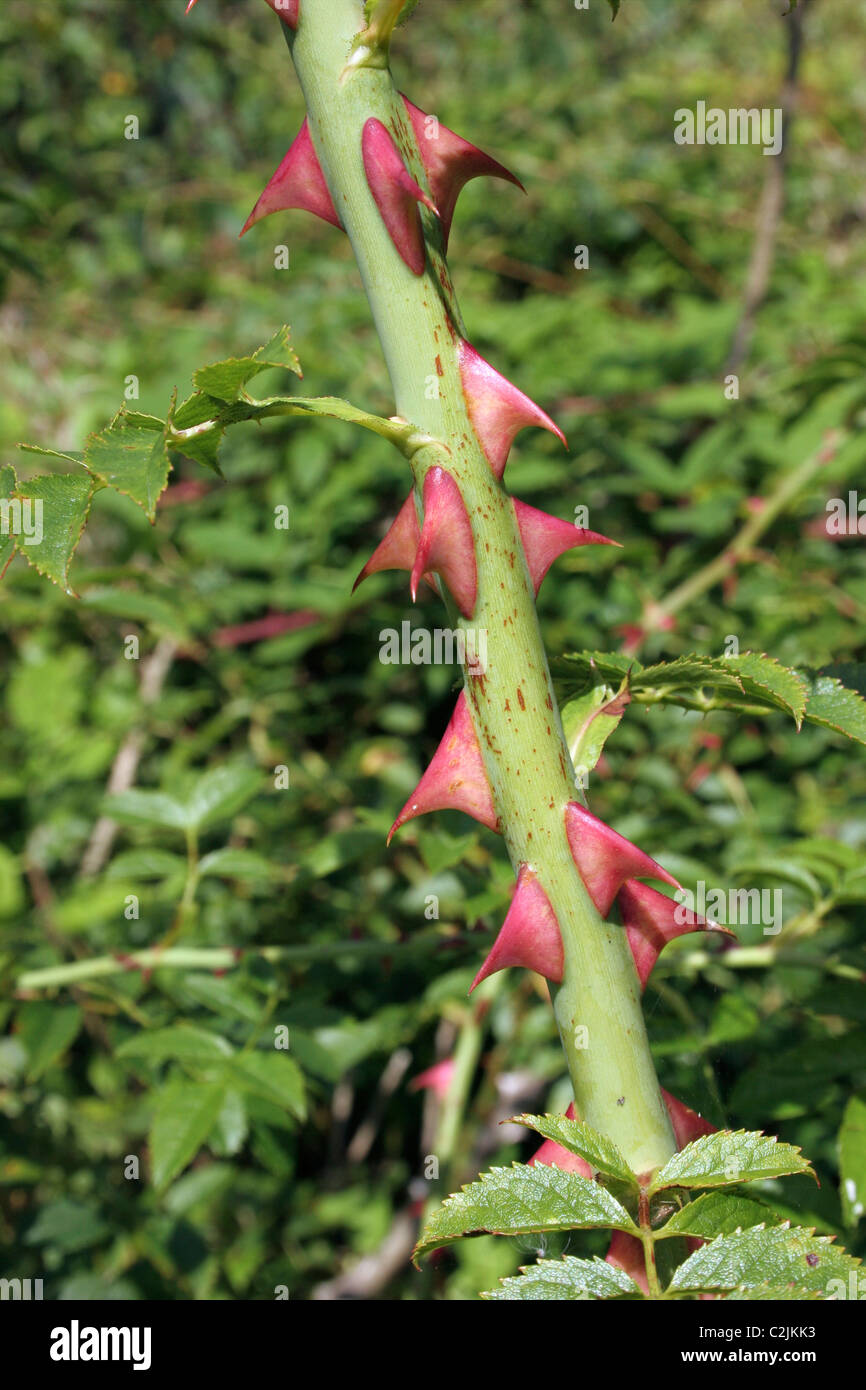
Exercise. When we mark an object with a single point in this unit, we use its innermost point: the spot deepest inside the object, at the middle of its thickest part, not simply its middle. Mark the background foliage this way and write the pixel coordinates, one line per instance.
(260, 1167)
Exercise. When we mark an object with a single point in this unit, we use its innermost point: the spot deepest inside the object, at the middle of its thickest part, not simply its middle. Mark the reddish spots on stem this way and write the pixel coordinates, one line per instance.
(520, 699)
(439, 368)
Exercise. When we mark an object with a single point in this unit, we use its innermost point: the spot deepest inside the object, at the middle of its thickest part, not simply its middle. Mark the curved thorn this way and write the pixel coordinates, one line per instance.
(446, 545)
(298, 182)
(455, 779)
(497, 409)
(605, 859)
(396, 193)
(529, 936)
(545, 538)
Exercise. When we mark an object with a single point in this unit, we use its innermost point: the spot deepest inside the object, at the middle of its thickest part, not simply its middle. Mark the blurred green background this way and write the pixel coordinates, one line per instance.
(120, 258)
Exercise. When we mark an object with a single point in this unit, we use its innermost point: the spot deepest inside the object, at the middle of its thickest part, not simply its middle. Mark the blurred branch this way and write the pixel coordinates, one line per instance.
(772, 199)
(657, 616)
(223, 958)
(154, 669)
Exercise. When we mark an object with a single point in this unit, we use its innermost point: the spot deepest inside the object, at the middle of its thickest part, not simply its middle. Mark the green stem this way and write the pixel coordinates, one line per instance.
(512, 705)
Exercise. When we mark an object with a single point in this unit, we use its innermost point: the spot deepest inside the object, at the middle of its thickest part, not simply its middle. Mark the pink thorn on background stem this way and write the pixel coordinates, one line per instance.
(626, 1252)
(545, 538)
(286, 9)
(529, 936)
(456, 779)
(450, 162)
(436, 1078)
(605, 859)
(496, 408)
(396, 193)
(687, 1124)
(298, 182)
(446, 545)
(398, 549)
(650, 920)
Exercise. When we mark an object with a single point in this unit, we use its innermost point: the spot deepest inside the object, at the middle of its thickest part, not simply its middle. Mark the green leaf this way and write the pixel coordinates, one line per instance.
(185, 1114)
(220, 794)
(273, 1076)
(598, 1151)
(8, 484)
(523, 1200)
(773, 1293)
(63, 503)
(180, 1042)
(46, 1031)
(140, 806)
(237, 863)
(717, 1214)
(729, 1157)
(833, 706)
(764, 679)
(568, 1278)
(226, 380)
(778, 1256)
(69, 1226)
(131, 456)
(216, 796)
(588, 723)
(852, 1159)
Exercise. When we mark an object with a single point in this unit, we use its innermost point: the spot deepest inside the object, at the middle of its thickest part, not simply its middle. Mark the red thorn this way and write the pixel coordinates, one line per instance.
(456, 778)
(529, 936)
(545, 538)
(450, 162)
(395, 192)
(286, 9)
(650, 920)
(298, 182)
(446, 543)
(605, 859)
(436, 1078)
(626, 1252)
(397, 551)
(687, 1124)
(496, 408)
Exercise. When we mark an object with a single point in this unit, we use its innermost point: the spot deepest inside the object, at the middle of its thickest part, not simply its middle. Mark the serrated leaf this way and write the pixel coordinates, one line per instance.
(226, 380)
(766, 679)
(130, 455)
(773, 1293)
(777, 1256)
(273, 1076)
(523, 1200)
(185, 1114)
(717, 1214)
(63, 504)
(852, 1160)
(568, 1278)
(179, 1042)
(833, 706)
(581, 1139)
(687, 673)
(728, 1157)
